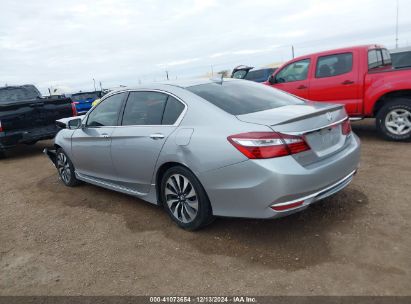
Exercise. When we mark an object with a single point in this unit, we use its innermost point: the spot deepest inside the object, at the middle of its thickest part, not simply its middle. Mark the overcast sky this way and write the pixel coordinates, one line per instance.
(68, 43)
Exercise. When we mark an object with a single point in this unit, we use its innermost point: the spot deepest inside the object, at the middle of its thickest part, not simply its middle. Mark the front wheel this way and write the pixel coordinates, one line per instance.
(65, 169)
(394, 120)
(185, 199)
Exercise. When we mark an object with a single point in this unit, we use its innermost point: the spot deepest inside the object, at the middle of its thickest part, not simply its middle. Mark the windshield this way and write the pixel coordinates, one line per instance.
(243, 97)
(13, 94)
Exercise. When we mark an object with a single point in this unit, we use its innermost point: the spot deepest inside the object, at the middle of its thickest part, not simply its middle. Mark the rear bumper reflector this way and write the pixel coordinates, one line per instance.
(287, 206)
(307, 200)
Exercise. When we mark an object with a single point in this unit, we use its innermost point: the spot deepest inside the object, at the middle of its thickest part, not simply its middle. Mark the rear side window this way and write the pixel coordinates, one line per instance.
(374, 59)
(243, 97)
(386, 57)
(106, 113)
(333, 65)
(144, 108)
(173, 110)
(294, 71)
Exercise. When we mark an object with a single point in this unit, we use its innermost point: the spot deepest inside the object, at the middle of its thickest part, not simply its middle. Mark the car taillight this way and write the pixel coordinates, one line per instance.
(260, 145)
(73, 108)
(346, 127)
(1, 127)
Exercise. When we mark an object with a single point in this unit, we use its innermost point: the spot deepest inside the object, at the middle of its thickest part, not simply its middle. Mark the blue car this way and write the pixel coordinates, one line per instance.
(84, 100)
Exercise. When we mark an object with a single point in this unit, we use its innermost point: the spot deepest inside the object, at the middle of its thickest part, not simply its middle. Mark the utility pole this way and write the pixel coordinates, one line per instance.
(167, 74)
(101, 87)
(94, 81)
(212, 71)
(292, 51)
(396, 25)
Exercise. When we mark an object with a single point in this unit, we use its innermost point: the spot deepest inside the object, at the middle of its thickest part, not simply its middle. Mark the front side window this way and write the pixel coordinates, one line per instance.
(106, 113)
(294, 71)
(243, 97)
(333, 65)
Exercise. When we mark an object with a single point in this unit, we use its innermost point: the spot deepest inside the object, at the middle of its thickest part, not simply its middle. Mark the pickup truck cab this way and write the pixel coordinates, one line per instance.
(27, 117)
(362, 78)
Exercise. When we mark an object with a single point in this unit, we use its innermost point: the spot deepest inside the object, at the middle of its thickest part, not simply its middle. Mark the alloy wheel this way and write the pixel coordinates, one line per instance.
(63, 167)
(398, 121)
(181, 198)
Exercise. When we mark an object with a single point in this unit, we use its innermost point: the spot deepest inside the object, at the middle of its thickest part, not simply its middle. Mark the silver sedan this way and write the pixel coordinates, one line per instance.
(205, 148)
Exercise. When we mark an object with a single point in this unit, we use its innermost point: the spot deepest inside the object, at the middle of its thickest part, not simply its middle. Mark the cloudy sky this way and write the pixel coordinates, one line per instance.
(67, 43)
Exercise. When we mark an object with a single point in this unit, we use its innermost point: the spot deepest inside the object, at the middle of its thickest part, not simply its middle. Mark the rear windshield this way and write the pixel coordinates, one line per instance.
(13, 94)
(85, 96)
(243, 97)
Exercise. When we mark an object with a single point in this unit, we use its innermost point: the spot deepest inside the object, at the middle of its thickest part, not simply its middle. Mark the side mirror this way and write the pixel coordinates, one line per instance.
(271, 79)
(74, 123)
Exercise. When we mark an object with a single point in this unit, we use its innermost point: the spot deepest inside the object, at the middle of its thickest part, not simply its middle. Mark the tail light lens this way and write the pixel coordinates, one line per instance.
(1, 127)
(346, 127)
(260, 145)
(73, 108)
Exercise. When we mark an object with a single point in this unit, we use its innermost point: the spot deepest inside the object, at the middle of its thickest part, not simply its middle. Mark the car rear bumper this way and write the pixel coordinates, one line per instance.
(10, 139)
(251, 188)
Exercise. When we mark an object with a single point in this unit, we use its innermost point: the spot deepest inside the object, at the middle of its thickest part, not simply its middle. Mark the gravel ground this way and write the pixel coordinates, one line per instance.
(86, 240)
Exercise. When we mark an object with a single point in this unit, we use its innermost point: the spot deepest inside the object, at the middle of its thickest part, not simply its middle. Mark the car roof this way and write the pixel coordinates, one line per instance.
(183, 83)
(340, 50)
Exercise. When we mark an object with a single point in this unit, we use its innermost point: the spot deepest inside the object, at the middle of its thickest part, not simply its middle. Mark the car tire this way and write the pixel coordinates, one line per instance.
(2, 154)
(394, 119)
(65, 169)
(185, 199)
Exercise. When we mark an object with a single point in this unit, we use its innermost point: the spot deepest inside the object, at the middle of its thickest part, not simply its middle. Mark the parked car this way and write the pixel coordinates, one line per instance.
(84, 100)
(258, 75)
(264, 153)
(26, 116)
(401, 57)
(361, 78)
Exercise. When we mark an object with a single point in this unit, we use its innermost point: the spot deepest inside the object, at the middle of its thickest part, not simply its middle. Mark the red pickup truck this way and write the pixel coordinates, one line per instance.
(361, 78)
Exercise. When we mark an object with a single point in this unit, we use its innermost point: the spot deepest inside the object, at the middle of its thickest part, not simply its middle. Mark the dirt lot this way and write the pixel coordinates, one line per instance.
(56, 240)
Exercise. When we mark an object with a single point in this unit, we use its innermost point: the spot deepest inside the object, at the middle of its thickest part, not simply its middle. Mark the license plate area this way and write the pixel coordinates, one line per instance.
(326, 140)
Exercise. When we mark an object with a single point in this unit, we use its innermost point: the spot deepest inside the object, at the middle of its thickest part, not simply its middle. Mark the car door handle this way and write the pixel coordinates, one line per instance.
(347, 82)
(156, 136)
(105, 135)
(301, 87)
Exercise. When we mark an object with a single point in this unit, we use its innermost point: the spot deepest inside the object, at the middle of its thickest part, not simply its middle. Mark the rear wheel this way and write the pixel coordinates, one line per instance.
(394, 120)
(185, 199)
(65, 169)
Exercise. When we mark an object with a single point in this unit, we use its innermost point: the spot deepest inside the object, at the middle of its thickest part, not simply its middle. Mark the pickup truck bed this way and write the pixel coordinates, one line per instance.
(27, 118)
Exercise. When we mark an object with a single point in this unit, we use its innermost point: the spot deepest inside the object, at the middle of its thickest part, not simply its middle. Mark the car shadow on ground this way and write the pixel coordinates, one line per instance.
(26, 151)
(291, 243)
(366, 130)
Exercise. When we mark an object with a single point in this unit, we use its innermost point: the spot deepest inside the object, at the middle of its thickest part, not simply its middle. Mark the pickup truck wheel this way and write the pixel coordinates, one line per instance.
(394, 120)
(65, 169)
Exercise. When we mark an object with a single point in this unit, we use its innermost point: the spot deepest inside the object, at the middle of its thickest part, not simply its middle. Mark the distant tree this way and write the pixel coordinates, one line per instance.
(224, 73)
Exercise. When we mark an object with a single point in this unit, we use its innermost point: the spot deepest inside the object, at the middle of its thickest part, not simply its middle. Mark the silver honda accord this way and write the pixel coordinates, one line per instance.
(205, 148)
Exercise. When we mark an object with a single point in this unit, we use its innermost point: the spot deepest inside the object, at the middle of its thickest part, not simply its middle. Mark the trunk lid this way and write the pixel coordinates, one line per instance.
(319, 124)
